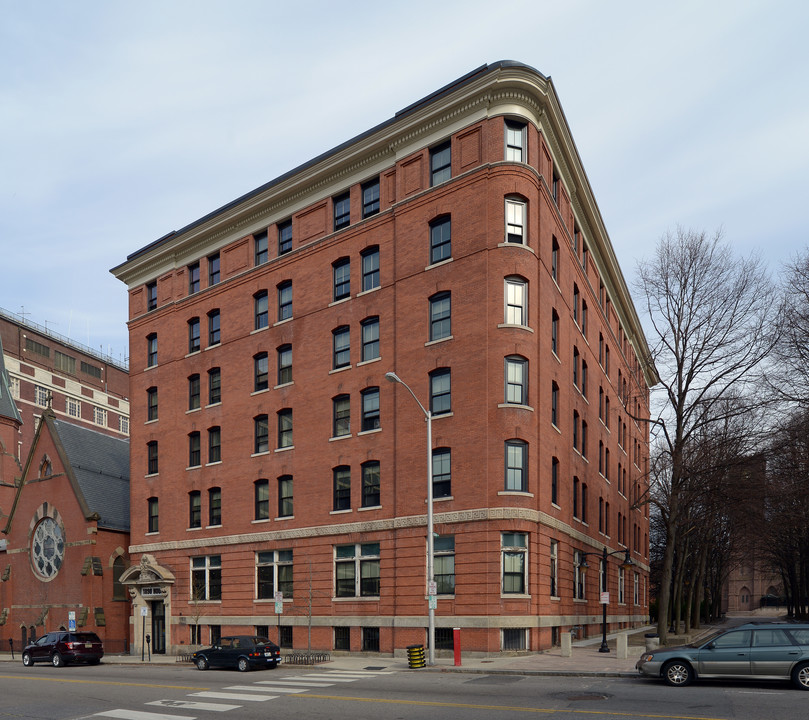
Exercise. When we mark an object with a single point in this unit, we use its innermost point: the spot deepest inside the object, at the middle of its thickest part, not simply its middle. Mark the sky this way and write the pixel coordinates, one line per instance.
(121, 121)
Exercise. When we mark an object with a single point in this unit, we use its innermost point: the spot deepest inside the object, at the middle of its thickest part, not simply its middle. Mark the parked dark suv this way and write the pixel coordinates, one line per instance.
(62, 647)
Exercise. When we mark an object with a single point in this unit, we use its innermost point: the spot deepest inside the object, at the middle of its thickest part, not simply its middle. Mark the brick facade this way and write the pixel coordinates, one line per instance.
(501, 516)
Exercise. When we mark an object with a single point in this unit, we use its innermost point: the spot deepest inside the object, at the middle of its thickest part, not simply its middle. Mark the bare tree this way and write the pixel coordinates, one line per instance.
(712, 319)
(791, 371)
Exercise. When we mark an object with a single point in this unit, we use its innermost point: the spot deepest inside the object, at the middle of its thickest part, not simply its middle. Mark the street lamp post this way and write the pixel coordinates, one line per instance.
(625, 564)
(431, 590)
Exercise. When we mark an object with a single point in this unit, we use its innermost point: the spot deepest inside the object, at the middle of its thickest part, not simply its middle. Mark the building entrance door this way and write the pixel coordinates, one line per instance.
(158, 627)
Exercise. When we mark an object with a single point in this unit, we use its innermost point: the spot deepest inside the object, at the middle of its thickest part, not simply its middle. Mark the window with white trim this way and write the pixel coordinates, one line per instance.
(357, 570)
(273, 573)
(206, 577)
(515, 563)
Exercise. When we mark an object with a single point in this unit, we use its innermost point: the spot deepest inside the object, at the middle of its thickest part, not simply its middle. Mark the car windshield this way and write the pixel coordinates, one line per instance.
(706, 640)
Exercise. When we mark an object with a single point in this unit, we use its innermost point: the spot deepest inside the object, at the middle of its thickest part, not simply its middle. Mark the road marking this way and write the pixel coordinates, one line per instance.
(191, 705)
(95, 682)
(363, 673)
(274, 688)
(537, 711)
(232, 696)
(140, 715)
(324, 676)
(296, 681)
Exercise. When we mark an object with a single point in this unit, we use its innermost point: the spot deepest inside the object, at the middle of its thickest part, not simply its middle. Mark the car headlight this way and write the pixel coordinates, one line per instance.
(647, 657)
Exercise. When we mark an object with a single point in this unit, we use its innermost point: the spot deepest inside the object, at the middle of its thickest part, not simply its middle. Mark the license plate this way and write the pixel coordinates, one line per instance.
(267, 654)
(88, 645)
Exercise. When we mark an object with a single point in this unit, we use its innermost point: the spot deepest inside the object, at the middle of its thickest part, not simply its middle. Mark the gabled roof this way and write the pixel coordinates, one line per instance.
(8, 408)
(99, 464)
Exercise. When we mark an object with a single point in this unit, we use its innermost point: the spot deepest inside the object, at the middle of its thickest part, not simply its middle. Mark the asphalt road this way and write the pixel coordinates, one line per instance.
(165, 692)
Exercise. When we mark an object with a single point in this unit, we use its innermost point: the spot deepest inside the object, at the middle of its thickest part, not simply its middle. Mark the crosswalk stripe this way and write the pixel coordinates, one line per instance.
(252, 688)
(140, 715)
(191, 705)
(324, 676)
(232, 696)
(295, 681)
(359, 673)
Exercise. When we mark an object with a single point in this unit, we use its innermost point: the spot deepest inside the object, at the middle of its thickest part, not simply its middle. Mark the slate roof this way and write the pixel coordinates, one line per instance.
(100, 464)
(8, 408)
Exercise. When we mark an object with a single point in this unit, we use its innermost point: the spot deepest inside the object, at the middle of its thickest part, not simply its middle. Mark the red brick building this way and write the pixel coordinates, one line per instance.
(458, 245)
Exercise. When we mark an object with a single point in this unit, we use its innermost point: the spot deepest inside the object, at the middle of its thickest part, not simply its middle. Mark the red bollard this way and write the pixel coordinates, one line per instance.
(456, 643)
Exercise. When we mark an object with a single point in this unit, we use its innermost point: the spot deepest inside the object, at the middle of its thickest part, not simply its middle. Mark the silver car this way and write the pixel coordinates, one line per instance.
(771, 651)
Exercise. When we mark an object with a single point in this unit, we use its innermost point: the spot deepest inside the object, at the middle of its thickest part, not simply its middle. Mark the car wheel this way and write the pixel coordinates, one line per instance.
(678, 673)
(800, 676)
(27, 660)
(202, 663)
(57, 660)
(243, 665)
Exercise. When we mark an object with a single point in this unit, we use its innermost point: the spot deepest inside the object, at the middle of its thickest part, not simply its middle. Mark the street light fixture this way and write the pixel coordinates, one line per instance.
(431, 589)
(625, 564)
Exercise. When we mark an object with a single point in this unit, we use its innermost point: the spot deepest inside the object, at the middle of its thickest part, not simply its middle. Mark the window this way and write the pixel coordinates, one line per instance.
(440, 316)
(206, 578)
(100, 416)
(285, 508)
(65, 363)
(261, 434)
(215, 506)
(342, 279)
(576, 315)
(342, 638)
(513, 639)
(442, 472)
(285, 300)
(516, 301)
(151, 458)
(555, 188)
(151, 405)
(341, 477)
(357, 570)
(370, 484)
(370, 268)
(151, 296)
(341, 425)
(440, 396)
(153, 524)
(73, 406)
(370, 409)
(370, 198)
(370, 339)
(214, 444)
(213, 270)
(440, 239)
(193, 392)
(516, 380)
(273, 570)
(284, 237)
(440, 163)
(621, 582)
(193, 450)
(583, 385)
(555, 260)
(284, 364)
(342, 347)
(555, 481)
(515, 141)
(261, 497)
(193, 278)
(576, 498)
(342, 211)
(261, 372)
(151, 350)
(555, 332)
(516, 466)
(554, 569)
(194, 509)
(444, 564)
(575, 366)
(584, 318)
(285, 428)
(575, 430)
(515, 550)
(214, 328)
(515, 221)
(584, 502)
(214, 386)
(555, 404)
(261, 310)
(193, 335)
(261, 250)
(578, 575)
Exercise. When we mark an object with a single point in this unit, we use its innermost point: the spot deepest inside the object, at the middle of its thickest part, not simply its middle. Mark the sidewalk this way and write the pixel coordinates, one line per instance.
(585, 660)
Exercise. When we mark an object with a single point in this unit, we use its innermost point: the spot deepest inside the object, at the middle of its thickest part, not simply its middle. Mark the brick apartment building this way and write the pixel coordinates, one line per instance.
(459, 245)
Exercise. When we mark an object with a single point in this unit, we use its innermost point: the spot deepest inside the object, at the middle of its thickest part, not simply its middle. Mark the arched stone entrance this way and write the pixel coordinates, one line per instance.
(149, 586)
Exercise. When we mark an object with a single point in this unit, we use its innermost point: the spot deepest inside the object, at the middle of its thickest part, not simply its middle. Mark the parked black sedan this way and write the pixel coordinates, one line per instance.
(245, 652)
